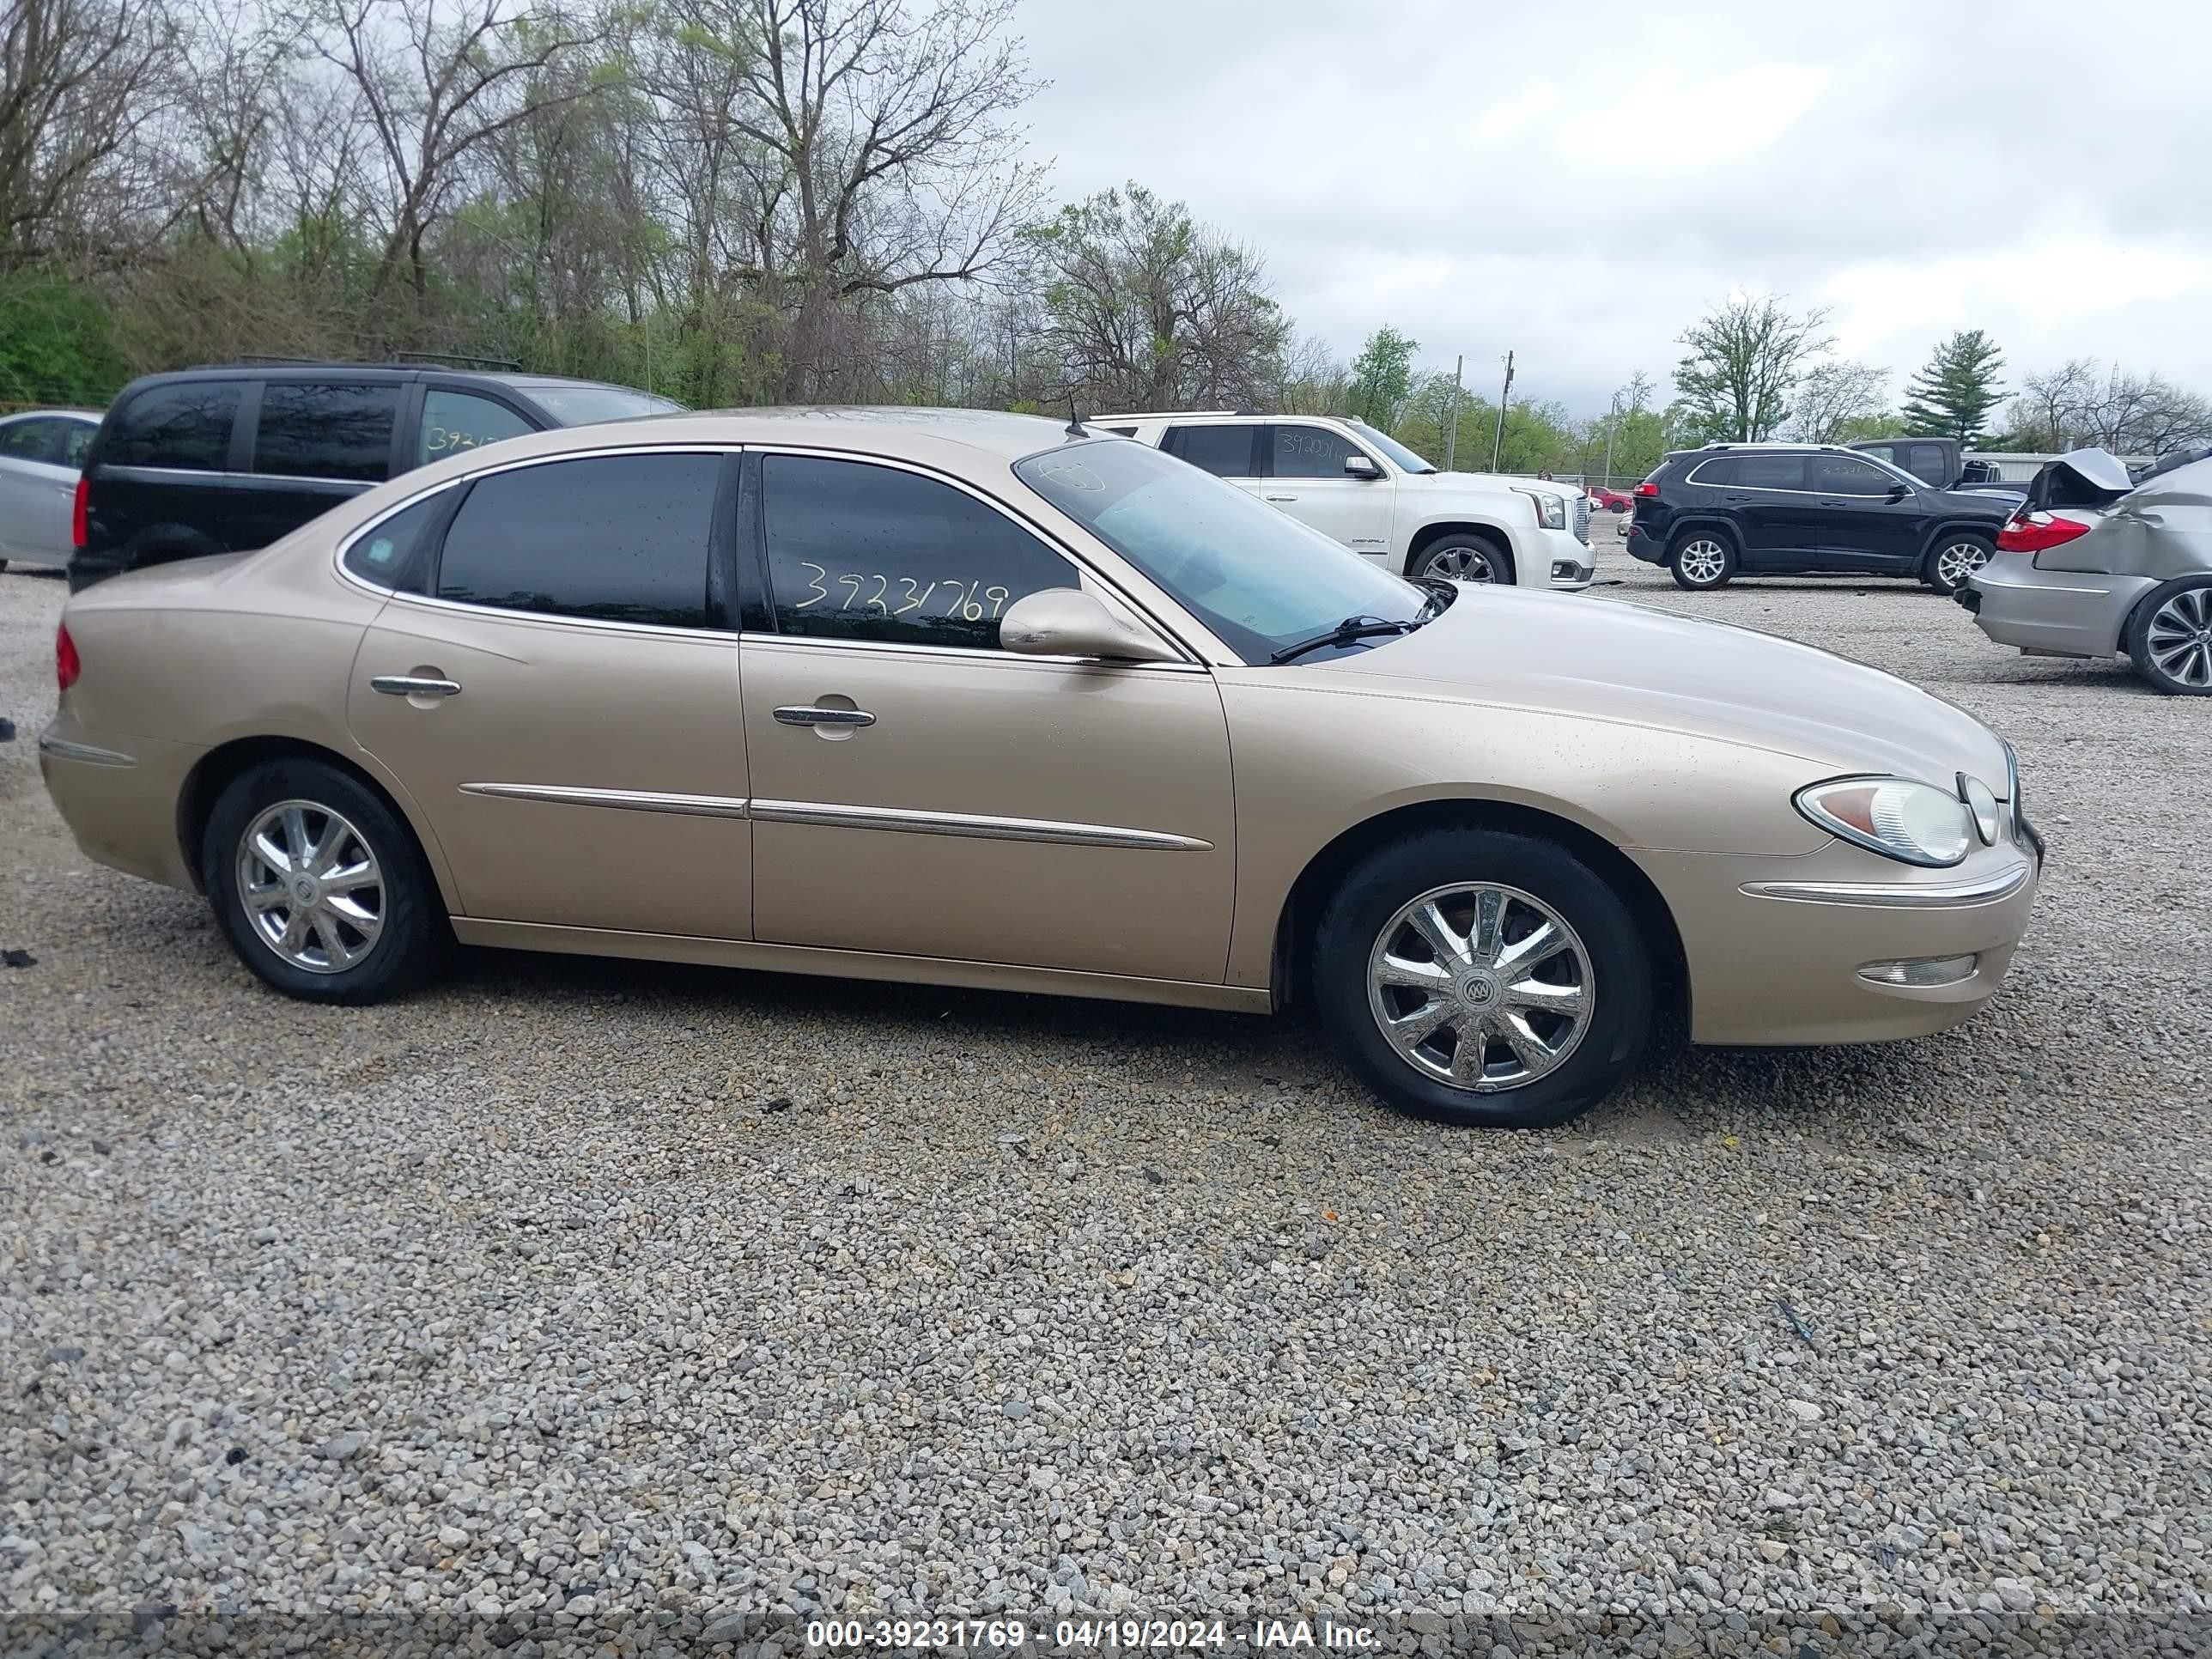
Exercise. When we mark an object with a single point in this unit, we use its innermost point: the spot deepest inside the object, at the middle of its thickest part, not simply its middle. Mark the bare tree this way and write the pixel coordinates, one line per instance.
(1834, 394)
(1745, 359)
(2077, 405)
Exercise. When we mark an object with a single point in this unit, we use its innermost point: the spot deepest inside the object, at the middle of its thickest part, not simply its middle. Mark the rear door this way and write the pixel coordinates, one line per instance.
(315, 442)
(1859, 526)
(1766, 498)
(1305, 477)
(37, 487)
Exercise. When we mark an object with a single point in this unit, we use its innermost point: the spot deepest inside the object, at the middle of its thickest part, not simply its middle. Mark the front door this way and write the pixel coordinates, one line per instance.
(561, 698)
(1308, 481)
(1860, 527)
(918, 791)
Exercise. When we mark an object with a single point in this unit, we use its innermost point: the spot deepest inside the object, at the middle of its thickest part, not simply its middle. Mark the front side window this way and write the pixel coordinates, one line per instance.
(1314, 451)
(1259, 578)
(1223, 451)
(30, 441)
(862, 552)
(1847, 475)
(185, 424)
(615, 537)
(1769, 472)
(454, 423)
(315, 429)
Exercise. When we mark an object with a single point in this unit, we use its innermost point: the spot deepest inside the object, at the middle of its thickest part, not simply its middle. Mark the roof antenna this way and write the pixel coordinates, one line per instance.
(1074, 427)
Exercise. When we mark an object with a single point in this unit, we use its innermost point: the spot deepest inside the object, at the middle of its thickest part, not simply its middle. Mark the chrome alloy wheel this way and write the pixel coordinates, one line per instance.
(1482, 987)
(1459, 564)
(1960, 561)
(1702, 560)
(2180, 637)
(311, 887)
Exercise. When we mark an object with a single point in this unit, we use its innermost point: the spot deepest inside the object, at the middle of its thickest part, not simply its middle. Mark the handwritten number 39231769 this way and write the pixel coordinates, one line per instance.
(894, 596)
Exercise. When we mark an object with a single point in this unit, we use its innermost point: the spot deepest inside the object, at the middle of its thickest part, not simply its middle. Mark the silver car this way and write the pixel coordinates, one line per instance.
(2095, 568)
(40, 455)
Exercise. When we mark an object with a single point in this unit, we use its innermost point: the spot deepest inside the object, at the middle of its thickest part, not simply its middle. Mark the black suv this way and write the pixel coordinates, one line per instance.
(226, 460)
(1731, 510)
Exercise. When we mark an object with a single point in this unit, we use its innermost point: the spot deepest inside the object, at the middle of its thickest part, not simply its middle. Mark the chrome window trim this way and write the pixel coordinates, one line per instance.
(1983, 890)
(1777, 489)
(1171, 635)
(969, 654)
(981, 826)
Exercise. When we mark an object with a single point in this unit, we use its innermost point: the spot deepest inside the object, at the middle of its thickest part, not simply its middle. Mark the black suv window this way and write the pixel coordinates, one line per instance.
(455, 421)
(322, 429)
(1769, 473)
(183, 424)
(1223, 451)
(618, 537)
(1719, 471)
(1847, 475)
(863, 552)
(1313, 452)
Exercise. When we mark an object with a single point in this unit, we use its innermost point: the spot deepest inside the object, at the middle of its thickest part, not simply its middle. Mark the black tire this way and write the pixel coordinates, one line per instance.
(411, 937)
(1614, 956)
(1953, 558)
(2169, 637)
(1707, 571)
(1464, 559)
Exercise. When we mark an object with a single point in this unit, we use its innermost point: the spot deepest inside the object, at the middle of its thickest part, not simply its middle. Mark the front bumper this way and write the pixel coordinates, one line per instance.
(2067, 613)
(1568, 564)
(1776, 946)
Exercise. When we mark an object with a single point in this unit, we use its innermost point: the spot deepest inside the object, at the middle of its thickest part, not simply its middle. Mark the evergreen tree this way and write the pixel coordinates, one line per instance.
(1953, 396)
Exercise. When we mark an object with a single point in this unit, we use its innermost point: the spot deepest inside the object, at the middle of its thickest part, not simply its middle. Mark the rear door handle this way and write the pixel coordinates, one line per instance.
(414, 686)
(1278, 498)
(808, 715)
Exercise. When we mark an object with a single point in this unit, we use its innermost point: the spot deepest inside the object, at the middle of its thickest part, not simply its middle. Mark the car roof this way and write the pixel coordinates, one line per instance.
(92, 414)
(304, 369)
(1206, 415)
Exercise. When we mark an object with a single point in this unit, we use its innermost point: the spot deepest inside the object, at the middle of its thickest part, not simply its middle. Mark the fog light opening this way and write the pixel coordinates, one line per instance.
(1922, 973)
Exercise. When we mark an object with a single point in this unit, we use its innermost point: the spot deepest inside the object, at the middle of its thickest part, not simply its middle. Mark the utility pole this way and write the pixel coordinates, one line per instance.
(1451, 432)
(1497, 442)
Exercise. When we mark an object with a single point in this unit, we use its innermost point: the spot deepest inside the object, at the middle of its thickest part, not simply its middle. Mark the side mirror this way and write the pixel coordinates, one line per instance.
(1363, 466)
(1897, 492)
(1065, 621)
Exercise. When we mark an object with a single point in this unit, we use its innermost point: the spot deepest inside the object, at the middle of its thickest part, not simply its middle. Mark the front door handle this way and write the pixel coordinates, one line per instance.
(414, 686)
(809, 714)
(1278, 498)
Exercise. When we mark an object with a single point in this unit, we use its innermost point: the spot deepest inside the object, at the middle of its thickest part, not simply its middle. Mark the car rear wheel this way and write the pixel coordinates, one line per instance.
(1483, 978)
(1703, 561)
(320, 886)
(1953, 559)
(1464, 559)
(2169, 638)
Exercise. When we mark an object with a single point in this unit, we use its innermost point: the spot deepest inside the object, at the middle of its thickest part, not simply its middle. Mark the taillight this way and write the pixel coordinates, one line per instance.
(2031, 532)
(77, 535)
(1647, 488)
(67, 667)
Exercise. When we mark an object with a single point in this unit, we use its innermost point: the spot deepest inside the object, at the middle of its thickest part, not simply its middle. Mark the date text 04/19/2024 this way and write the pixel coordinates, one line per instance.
(1082, 1635)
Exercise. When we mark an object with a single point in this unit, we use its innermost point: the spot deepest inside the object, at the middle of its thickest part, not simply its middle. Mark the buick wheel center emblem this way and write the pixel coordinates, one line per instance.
(1478, 990)
(306, 890)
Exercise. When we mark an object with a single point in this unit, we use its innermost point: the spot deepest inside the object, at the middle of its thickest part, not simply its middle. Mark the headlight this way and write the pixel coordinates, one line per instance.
(1551, 510)
(1900, 818)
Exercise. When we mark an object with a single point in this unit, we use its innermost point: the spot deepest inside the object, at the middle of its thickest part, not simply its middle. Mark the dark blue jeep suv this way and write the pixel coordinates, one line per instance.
(1729, 510)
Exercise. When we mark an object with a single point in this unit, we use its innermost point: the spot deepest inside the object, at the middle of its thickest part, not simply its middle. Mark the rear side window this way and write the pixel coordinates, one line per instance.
(184, 424)
(312, 430)
(617, 537)
(1928, 465)
(77, 439)
(1223, 451)
(31, 440)
(1721, 472)
(386, 555)
(1769, 472)
(453, 421)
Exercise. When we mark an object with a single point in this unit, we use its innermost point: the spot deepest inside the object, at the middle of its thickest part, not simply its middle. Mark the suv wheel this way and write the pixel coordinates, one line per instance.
(319, 884)
(1464, 559)
(1482, 978)
(2169, 638)
(1955, 558)
(1703, 561)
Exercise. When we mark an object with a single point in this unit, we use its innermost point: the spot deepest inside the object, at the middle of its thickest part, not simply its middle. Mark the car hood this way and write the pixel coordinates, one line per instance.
(1481, 484)
(1627, 662)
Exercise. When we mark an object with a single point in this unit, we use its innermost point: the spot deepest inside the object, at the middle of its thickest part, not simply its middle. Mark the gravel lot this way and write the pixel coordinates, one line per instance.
(585, 1302)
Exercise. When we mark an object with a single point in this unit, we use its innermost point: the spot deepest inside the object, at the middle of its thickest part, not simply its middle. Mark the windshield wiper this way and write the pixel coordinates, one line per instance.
(1345, 633)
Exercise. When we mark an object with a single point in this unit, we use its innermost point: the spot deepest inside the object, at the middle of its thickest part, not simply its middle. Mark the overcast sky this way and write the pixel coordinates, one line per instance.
(1579, 181)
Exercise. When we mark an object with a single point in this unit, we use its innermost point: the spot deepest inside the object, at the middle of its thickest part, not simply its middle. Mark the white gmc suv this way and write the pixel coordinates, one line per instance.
(1380, 499)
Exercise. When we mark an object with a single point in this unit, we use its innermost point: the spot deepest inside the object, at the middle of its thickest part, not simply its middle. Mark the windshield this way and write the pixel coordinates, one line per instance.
(1397, 452)
(1260, 579)
(582, 405)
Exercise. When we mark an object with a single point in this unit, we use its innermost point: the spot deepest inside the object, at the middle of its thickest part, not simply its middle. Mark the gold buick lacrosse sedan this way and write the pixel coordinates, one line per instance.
(978, 700)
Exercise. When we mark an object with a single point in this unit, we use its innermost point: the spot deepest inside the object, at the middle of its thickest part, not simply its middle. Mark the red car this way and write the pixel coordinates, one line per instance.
(1603, 499)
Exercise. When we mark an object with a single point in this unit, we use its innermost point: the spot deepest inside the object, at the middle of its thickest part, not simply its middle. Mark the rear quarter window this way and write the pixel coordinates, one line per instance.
(184, 424)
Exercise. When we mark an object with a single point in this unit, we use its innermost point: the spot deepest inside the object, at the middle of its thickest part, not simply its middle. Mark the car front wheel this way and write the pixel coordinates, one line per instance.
(1702, 562)
(1483, 978)
(2169, 640)
(1953, 559)
(320, 885)
(1464, 559)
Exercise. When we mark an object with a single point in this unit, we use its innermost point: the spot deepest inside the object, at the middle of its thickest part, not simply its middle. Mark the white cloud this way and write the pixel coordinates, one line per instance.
(1579, 183)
